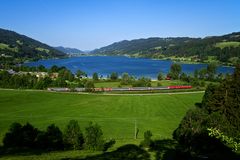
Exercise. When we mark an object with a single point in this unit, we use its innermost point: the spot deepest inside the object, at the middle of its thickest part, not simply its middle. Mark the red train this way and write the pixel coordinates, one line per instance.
(179, 87)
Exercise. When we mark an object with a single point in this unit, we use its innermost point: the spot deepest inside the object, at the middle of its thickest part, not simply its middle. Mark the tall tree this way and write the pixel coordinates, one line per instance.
(81, 74)
(114, 76)
(94, 137)
(160, 76)
(95, 76)
(175, 70)
(211, 71)
(73, 137)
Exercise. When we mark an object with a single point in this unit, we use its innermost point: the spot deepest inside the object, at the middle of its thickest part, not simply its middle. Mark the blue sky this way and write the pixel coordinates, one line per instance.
(90, 24)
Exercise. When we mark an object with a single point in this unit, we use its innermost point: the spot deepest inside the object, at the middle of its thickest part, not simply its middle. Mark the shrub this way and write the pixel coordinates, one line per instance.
(147, 139)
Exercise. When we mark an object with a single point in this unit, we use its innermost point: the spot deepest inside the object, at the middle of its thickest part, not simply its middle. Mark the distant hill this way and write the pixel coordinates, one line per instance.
(21, 47)
(68, 50)
(224, 48)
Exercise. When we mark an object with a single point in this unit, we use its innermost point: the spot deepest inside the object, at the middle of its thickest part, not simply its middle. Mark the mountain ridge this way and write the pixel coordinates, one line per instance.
(22, 47)
(224, 49)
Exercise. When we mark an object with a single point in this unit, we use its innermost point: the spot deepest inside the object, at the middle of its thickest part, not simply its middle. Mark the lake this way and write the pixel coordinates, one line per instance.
(105, 65)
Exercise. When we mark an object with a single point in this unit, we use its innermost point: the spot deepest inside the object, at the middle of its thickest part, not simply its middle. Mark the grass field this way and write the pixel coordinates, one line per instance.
(116, 114)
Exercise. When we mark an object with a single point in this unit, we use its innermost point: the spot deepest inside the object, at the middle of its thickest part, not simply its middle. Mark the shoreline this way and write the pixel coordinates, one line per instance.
(163, 59)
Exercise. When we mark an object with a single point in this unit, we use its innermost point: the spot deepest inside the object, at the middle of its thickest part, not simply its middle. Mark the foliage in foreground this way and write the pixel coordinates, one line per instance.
(220, 109)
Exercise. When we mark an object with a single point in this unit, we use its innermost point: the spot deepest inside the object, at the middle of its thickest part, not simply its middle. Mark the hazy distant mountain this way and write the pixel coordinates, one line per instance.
(68, 50)
(21, 47)
(222, 48)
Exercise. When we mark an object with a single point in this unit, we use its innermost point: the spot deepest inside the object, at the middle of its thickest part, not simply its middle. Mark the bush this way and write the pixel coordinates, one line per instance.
(109, 144)
(159, 84)
(142, 82)
(147, 139)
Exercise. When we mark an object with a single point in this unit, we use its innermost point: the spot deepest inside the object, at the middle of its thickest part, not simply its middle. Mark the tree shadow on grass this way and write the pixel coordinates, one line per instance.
(20, 151)
(165, 149)
(169, 149)
(126, 152)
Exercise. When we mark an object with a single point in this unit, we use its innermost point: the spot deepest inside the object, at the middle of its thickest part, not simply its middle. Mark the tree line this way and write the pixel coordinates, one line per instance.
(25, 79)
(28, 137)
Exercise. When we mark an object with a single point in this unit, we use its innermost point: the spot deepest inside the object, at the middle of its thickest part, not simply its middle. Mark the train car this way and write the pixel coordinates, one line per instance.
(179, 87)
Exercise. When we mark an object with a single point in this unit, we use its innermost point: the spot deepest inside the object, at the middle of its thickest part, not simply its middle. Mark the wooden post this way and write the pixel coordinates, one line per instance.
(135, 135)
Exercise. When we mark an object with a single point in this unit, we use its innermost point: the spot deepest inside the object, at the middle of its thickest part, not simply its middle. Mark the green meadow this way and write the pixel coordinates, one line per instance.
(116, 114)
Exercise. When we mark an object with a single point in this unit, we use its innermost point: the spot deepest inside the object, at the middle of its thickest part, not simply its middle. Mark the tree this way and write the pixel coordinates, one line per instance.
(59, 82)
(184, 77)
(43, 83)
(94, 137)
(81, 74)
(220, 110)
(202, 73)
(13, 137)
(54, 138)
(73, 137)
(95, 76)
(54, 68)
(29, 134)
(66, 74)
(41, 68)
(211, 71)
(20, 136)
(160, 76)
(196, 74)
(114, 76)
(125, 80)
(175, 70)
(89, 86)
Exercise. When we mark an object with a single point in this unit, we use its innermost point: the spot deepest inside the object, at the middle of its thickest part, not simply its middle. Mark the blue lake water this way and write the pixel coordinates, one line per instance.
(105, 65)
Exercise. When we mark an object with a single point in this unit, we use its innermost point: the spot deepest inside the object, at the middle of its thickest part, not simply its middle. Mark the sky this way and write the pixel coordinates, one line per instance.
(90, 24)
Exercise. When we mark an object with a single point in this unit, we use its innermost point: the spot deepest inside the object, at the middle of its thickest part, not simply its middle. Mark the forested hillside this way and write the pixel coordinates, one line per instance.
(18, 48)
(224, 49)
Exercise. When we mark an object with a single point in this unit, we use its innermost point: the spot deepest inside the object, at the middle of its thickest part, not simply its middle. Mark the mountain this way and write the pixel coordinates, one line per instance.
(20, 47)
(68, 50)
(224, 49)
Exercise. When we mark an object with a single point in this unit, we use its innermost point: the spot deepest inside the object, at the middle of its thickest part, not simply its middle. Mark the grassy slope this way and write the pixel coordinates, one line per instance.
(116, 114)
(227, 44)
